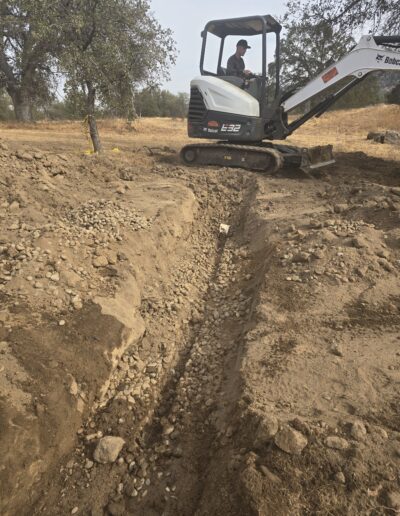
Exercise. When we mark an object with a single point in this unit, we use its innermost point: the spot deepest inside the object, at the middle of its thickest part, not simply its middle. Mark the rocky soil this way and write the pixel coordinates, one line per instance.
(155, 362)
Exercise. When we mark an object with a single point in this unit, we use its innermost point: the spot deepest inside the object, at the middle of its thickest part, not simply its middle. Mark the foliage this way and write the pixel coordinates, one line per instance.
(308, 47)
(311, 45)
(364, 94)
(115, 47)
(393, 96)
(351, 14)
(6, 111)
(160, 103)
(29, 37)
(106, 48)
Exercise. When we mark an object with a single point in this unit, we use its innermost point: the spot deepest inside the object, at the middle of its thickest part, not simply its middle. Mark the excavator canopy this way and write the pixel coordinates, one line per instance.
(249, 26)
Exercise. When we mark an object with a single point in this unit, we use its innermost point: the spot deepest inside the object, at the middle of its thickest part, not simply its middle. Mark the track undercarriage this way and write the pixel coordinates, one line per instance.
(262, 157)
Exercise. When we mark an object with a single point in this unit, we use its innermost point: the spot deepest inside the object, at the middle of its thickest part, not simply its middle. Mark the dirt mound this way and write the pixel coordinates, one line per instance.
(74, 263)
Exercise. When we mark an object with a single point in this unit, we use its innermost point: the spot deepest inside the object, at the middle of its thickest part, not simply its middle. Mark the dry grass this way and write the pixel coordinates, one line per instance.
(346, 130)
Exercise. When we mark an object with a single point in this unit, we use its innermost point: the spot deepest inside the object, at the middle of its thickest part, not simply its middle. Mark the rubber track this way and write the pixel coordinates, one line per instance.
(279, 160)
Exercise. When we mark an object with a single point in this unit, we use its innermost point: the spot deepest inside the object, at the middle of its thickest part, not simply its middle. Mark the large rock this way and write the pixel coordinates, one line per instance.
(290, 441)
(391, 137)
(108, 449)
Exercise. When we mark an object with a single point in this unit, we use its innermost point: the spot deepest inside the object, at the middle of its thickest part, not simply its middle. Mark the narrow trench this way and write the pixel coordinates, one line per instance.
(206, 419)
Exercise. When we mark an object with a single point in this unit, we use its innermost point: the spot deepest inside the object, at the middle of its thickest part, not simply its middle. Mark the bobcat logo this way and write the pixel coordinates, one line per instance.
(379, 58)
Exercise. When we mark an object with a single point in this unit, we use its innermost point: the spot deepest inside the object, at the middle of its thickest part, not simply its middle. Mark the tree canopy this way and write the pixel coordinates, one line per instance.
(374, 15)
(309, 47)
(312, 43)
(29, 39)
(105, 48)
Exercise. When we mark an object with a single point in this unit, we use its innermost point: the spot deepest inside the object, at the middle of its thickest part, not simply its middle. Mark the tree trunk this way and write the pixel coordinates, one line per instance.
(94, 133)
(22, 105)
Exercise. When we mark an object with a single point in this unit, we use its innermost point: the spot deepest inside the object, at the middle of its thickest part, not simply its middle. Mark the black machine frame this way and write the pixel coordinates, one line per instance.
(242, 27)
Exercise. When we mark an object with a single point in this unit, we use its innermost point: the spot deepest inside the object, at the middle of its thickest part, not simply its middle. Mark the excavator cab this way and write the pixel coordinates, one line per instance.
(255, 85)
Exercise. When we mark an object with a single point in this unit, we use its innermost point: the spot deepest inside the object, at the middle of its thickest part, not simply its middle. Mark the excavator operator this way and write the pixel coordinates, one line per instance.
(235, 66)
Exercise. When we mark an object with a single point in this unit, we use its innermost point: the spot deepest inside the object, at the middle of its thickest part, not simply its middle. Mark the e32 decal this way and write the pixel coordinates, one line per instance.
(231, 128)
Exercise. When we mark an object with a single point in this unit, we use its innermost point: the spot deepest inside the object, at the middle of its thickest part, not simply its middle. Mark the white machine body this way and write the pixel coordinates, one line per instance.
(224, 97)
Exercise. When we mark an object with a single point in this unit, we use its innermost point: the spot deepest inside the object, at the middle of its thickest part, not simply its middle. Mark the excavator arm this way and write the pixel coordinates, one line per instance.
(373, 53)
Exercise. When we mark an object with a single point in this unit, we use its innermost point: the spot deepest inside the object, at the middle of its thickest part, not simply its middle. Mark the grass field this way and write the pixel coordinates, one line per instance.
(346, 130)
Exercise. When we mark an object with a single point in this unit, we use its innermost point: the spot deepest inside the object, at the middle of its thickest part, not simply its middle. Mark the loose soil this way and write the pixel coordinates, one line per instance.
(254, 372)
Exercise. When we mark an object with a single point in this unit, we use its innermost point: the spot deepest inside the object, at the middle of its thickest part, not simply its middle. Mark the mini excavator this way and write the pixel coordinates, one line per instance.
(244, 116)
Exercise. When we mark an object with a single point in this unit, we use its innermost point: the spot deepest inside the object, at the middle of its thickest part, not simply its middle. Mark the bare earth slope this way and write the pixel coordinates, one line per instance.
(253, 373)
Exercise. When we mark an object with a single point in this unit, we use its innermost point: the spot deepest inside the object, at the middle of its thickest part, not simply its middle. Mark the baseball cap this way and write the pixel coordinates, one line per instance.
(242, 43)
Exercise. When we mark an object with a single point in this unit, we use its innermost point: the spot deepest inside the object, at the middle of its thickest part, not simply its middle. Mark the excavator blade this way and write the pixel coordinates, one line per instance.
(317, 157)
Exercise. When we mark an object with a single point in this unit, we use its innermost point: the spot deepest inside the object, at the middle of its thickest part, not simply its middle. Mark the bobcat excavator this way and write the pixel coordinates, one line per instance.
(244, 116)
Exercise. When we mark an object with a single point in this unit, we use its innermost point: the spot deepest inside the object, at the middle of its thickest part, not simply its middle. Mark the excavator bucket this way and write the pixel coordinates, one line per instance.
(317, 157)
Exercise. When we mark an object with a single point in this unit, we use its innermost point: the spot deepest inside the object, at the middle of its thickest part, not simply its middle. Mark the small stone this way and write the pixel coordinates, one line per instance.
(358, 430)
(337, 443)
(337, 350)
(381, 432)
(152, 368)
(393, 500)
(100, 261)
(112, 258)
(73, 388)
(77, 303)
(301, 258)
(339, 477)
(130, 489)
(267, 429)
(274, 479)
(55, 277)
(14, 206)
(290, 441)
(168, 430)
(116, 508)
(359, 242)
(395, 191)
(108, 449)
(340, 208)
(24, 156)
(383, 253)
(75, 510)
(71, 278)
(121, 190)
(61, 323)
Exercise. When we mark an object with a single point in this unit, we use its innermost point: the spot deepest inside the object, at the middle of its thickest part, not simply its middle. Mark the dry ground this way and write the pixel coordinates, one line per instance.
(250, 374)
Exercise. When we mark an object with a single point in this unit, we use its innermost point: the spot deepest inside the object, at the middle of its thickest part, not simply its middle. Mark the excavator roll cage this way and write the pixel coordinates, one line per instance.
(245, 27)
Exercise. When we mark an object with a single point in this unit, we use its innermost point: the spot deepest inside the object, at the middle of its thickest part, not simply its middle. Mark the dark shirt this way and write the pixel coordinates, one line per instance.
(235, 66)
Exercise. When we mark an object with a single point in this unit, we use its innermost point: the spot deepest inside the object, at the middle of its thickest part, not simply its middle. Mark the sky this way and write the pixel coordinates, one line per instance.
(187, 18)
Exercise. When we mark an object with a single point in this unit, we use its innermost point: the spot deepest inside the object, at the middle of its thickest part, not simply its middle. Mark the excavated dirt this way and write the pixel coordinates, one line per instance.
(248, 373)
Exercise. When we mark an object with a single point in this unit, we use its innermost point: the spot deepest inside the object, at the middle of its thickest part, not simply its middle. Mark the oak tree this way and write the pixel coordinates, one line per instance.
(114, 47)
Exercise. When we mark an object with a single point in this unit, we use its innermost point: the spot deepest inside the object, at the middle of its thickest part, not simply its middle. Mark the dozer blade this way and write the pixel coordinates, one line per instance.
(317, 157)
